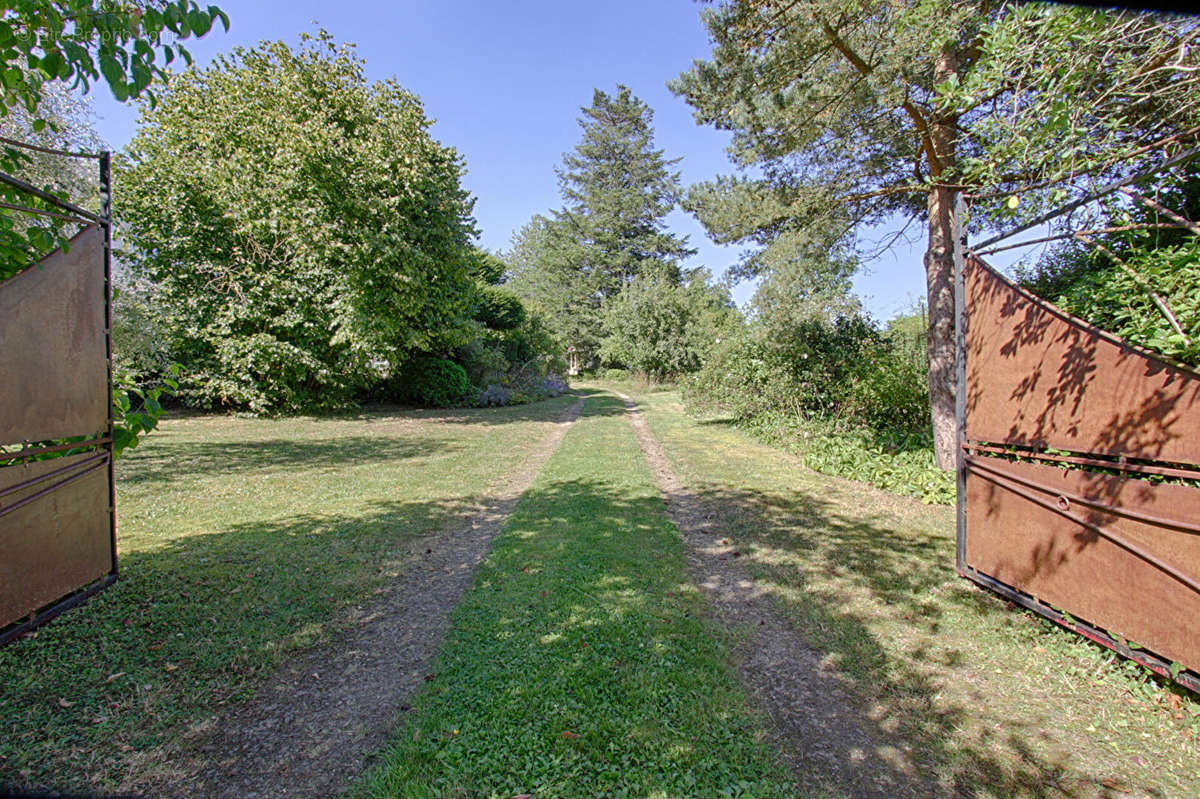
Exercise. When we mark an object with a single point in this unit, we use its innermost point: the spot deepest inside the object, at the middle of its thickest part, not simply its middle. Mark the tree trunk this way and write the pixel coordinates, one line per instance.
(939, 277)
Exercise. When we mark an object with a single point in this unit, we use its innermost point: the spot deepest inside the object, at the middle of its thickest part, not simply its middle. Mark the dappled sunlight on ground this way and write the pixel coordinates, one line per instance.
(976, 690)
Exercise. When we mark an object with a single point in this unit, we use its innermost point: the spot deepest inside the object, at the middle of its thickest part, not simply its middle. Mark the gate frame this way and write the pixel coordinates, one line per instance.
(1186, 678)
(74, 213)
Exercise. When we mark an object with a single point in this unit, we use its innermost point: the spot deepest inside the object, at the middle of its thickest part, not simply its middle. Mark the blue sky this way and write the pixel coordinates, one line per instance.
(505, 82)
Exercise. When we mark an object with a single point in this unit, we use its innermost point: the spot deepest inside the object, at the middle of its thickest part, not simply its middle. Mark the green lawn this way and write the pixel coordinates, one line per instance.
(579, 663)
(997, 702)
(240, 539)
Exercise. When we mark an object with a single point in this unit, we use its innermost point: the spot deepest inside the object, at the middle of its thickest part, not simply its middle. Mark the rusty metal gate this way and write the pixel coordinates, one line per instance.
(1079, 456)
(57, 519)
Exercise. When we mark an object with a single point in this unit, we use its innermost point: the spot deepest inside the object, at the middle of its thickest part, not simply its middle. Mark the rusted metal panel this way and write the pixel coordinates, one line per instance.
(1132, 569)
(1040, 378)
(53, 357)
(55, 531)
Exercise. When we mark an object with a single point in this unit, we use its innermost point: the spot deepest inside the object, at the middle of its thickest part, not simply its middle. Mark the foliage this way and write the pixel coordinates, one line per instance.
(818, 285)
(140, 332)
(435, 382)
(69, 124)
(1113, 300)
(545, 274)
(65, 123)
(48, 48)
(899, 463)
(852, 112)
(888, 390)
(495, 395)
(662, 328)
(499, 309)
(1141, 283)
(553, 386)
(617, 191)
(300, 224)
(1059, 99)
(137, 409)
(82, 41)
(804, 367)
(854, 401)
(507, 341)
(615, 375)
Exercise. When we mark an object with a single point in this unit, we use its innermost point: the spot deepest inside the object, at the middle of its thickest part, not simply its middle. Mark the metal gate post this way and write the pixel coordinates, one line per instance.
(959, 235)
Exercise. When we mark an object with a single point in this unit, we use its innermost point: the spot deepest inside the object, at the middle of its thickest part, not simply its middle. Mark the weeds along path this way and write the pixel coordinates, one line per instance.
(313, 725)
(818, 729)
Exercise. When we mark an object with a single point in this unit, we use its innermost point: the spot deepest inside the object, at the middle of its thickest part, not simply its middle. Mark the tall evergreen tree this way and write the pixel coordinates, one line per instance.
(617, 190)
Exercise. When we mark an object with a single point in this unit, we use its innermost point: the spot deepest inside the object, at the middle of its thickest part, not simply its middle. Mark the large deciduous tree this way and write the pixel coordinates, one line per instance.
(304, 229)
(853, 110)
(617, 190)
(664, 328)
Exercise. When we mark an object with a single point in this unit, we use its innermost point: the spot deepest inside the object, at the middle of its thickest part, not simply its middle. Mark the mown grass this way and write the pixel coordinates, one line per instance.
(240, 540)
(579, 664)
(994, 702)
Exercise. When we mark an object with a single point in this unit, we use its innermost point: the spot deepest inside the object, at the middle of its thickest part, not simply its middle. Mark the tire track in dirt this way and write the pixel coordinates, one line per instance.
(312, 728)
(816, 726)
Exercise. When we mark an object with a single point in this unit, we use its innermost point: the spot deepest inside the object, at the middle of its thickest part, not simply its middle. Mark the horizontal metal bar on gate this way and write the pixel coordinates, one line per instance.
(50, 150)
(1159, 666)
(1135, 468)
(43, 478)
(1145, 518)
(50, 198)
(49, 489)
(43, 212)
(1002, 480)
(29, 453)
(64, 604)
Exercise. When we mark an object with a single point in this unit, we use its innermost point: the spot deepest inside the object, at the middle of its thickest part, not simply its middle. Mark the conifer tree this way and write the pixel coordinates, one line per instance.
(617, 190)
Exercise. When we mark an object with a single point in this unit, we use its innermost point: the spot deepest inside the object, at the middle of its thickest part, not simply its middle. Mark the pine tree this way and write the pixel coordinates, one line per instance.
(617, 190)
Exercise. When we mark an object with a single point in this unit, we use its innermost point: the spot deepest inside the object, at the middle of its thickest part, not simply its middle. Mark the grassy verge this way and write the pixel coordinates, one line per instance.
(996, 702)
(240, 540)
(578, 664)
(891, 463)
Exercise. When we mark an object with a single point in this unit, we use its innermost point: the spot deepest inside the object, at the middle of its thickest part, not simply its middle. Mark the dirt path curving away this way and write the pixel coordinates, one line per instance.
(312, 728)
(817, 727)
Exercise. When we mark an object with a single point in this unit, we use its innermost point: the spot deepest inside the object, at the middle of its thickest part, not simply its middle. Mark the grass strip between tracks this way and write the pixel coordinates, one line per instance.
(579, 663)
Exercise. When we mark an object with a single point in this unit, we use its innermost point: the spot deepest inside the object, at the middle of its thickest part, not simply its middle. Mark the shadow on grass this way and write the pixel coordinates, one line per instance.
(170, 460)
(191, 624)
(578, 667)
(540, 411)
(910, 573)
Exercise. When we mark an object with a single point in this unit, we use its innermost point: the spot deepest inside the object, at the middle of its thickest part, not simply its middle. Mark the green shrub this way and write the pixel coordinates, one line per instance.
(889, 391)
(436, 382)
(901, 464)
(803, 367)
(495, 395)
(616, 374)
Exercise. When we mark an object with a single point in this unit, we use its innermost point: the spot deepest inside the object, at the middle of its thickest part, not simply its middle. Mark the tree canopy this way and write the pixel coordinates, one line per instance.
(304, 229)
(851, 110)
(662, 327)
(617, 190)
